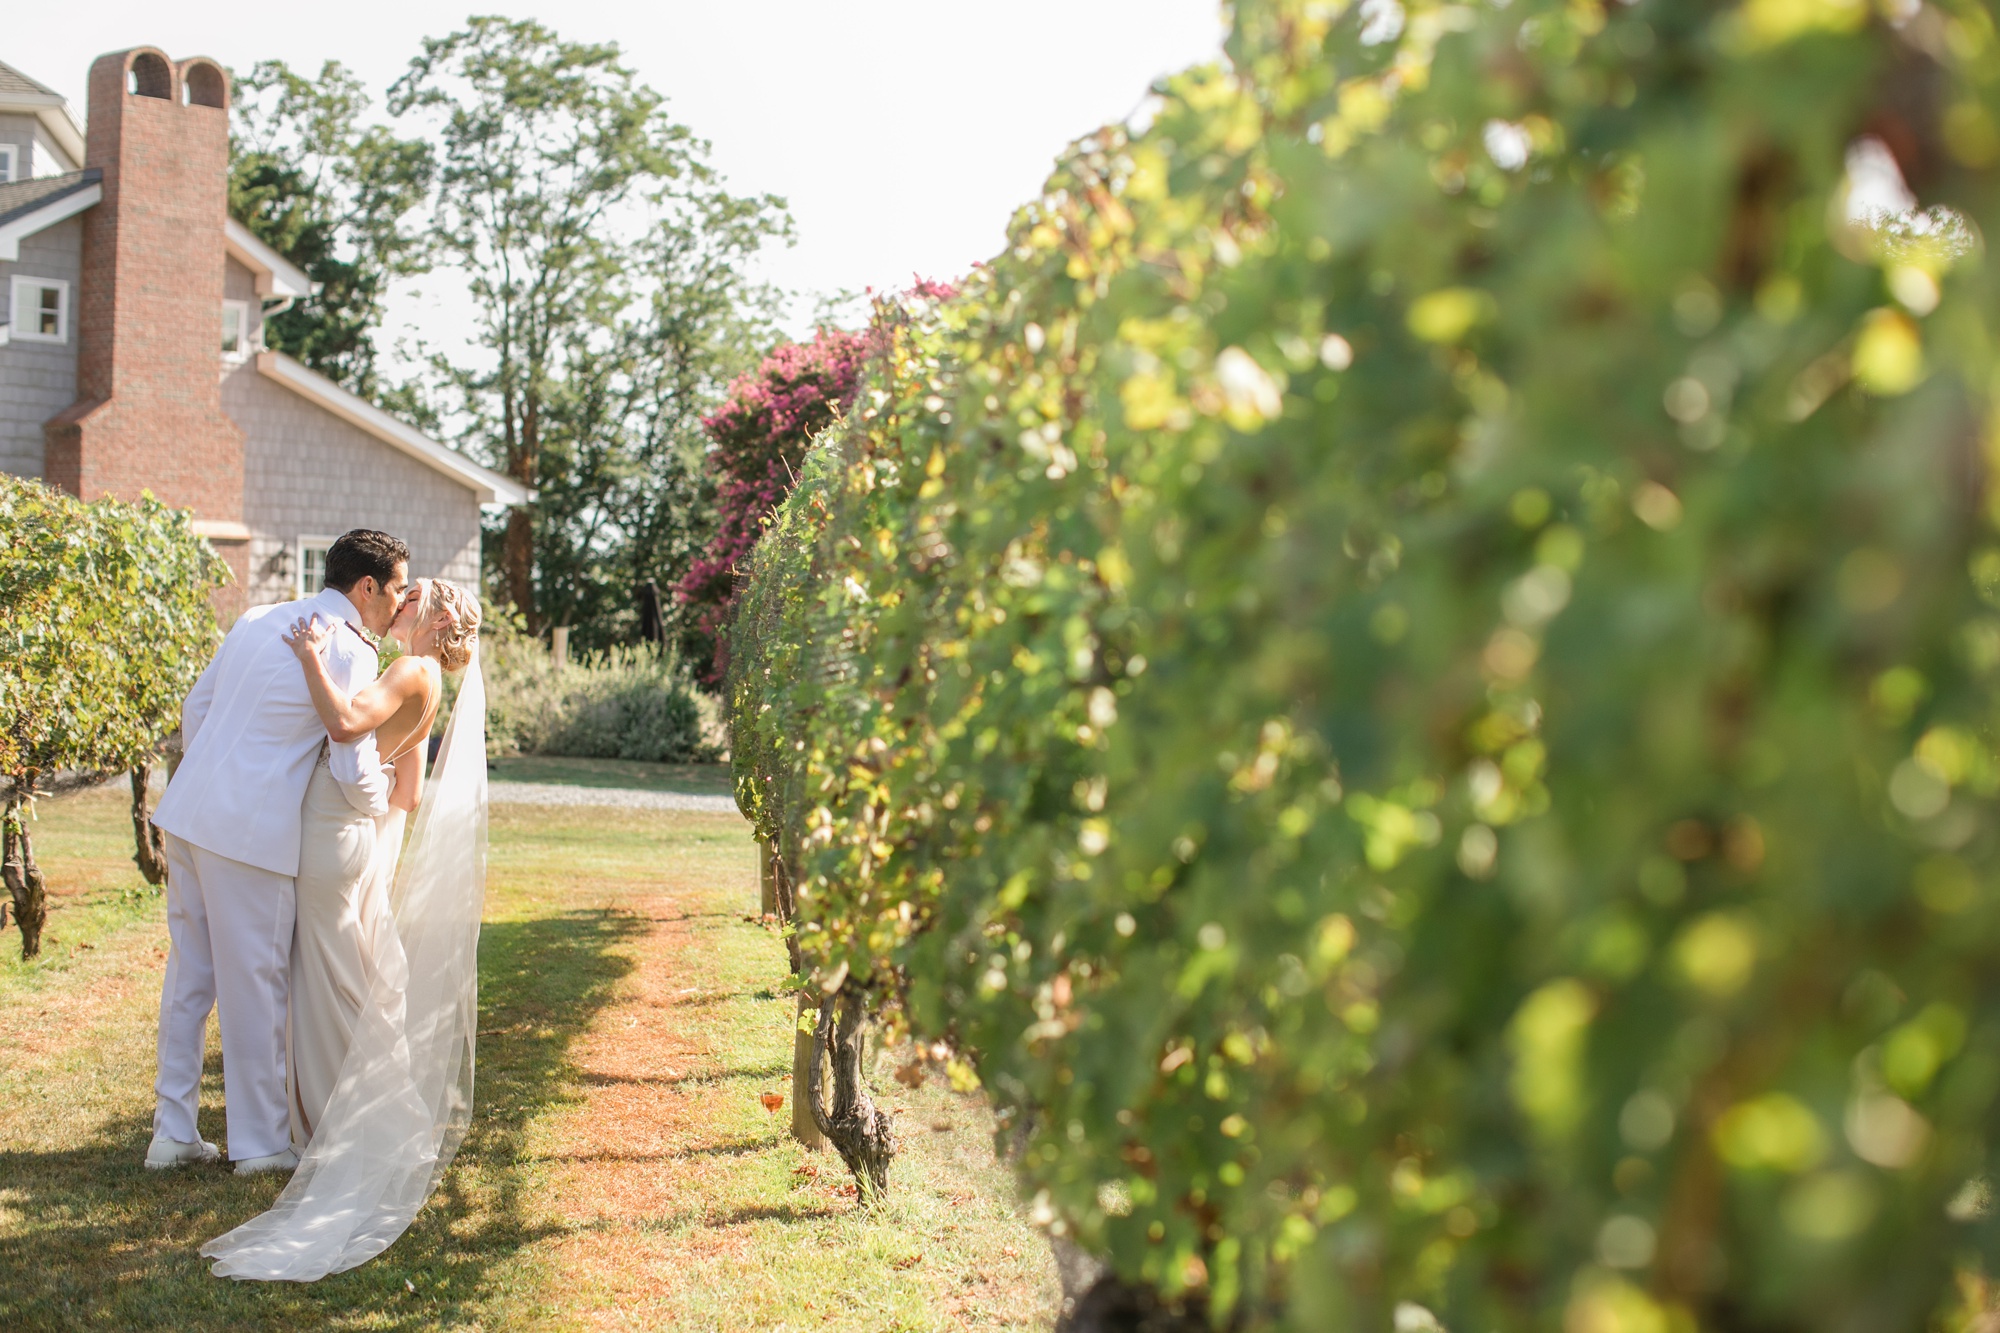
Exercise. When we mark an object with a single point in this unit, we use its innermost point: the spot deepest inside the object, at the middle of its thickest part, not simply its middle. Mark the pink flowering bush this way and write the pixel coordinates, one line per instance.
(761, 434)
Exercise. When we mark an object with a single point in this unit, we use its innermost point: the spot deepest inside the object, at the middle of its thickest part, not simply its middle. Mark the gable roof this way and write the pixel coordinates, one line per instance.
(489, 486)
(29, 206)
(28, 96)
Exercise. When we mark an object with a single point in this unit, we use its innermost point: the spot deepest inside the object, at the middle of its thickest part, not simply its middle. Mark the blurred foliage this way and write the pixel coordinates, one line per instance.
(1411, 672)
(621, 703)
(105, 622)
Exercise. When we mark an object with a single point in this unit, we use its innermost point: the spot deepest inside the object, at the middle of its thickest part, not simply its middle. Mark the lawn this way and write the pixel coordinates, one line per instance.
(684, 779)
(621, 1171)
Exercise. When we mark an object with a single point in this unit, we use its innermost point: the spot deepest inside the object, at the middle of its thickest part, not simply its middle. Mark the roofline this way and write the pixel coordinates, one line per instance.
(53, 110)
(276, 275)
(46, 214)
(489, 486)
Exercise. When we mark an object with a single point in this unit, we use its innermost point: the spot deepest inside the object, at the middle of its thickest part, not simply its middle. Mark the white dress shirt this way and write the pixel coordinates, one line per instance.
(251, 737)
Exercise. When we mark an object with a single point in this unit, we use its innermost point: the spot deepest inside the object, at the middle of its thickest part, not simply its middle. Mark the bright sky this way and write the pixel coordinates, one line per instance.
(903, 133)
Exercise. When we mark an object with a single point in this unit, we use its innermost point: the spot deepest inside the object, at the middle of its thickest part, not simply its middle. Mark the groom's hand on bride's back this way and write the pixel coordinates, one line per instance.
(307, 635)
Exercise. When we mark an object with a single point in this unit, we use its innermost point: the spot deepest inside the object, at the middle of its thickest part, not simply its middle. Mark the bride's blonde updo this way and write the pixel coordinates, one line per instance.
(459, 635)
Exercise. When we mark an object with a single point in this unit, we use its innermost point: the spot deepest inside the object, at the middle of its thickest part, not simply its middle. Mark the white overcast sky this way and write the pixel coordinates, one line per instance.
(903, 133)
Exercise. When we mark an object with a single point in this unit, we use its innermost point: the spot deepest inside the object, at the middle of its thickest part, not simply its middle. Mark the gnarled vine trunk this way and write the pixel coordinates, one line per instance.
(1113, 1305)
(151, 855)
(24, 880)
(861, 1132)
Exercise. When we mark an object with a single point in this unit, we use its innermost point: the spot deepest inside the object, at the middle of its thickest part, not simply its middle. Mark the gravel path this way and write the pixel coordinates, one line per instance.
(549, 793)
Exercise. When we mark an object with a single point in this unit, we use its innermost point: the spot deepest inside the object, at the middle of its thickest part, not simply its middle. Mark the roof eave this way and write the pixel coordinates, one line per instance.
(55, 210)
(53, 111)
(488, 486)
(276, 276)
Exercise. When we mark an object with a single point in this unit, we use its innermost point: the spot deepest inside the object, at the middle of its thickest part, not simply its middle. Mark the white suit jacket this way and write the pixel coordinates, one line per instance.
(250, 738)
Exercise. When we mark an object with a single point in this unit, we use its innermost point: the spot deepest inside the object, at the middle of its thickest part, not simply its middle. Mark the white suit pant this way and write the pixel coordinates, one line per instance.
(230, 925)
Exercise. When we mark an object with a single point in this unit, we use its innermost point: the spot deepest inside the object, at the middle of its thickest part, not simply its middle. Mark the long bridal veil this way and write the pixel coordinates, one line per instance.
(404, 1098)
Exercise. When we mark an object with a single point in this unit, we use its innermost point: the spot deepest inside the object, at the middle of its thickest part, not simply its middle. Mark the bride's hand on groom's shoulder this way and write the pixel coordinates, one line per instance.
(306, 636)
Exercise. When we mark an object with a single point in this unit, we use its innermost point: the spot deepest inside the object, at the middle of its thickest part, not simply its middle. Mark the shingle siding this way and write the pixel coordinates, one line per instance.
(37, 379)
(307, 472)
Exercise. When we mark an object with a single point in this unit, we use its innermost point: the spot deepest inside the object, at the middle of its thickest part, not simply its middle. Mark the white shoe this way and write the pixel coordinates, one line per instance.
(277, 1161)
(167, 1152)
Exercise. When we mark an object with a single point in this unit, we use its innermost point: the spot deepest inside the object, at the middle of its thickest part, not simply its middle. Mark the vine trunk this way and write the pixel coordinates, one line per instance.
(151, 855)
(860, 1132)
(24, 881)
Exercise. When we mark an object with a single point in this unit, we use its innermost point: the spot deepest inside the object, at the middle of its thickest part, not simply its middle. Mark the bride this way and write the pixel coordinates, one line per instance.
(384, 971)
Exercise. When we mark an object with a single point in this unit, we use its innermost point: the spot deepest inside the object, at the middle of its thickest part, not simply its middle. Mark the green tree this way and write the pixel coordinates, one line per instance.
(625, 498)
(105, 622)
(334, 195)
(570, 201)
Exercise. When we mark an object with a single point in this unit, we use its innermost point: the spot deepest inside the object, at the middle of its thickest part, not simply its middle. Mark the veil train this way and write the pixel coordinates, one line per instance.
(404, 1099)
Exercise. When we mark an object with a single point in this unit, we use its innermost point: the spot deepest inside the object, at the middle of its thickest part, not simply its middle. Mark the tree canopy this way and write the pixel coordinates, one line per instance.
(608, 270)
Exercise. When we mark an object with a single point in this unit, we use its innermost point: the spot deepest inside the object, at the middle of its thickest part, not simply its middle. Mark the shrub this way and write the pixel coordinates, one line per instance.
(1411, 673)
(760, 437)
(625, 703)
(105, 623)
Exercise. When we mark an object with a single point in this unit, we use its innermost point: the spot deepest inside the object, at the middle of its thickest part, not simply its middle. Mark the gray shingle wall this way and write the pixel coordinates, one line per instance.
(308, 473)
(37, 379)
(20, 131)
(240, 284)
(38, 154)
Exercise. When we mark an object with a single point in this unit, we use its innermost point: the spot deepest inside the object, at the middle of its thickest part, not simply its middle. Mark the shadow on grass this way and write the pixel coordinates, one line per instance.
(90, 1239)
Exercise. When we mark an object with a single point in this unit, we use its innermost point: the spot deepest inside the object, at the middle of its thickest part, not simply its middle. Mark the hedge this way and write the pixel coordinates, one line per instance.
(1410, 674)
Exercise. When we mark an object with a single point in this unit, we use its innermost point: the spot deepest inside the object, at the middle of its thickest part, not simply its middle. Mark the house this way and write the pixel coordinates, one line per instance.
(132, 355)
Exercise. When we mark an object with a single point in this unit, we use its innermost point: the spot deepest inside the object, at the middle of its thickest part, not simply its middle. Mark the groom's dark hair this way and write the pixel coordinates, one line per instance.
(364, 553)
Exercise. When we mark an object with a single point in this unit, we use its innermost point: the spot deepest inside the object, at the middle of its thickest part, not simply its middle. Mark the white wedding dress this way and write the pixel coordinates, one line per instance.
(404, 1096)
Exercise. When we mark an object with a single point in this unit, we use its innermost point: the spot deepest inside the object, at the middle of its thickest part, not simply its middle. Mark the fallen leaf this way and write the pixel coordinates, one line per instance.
(911, 1075)
(907, 1261)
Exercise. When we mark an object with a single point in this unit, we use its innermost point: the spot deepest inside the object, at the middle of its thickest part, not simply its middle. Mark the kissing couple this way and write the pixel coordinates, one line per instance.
(344, 966)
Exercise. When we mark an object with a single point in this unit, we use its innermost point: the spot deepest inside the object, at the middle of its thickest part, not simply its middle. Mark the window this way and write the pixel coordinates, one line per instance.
(40, 309)
(235, 329)
(10, 162)
(312, 564)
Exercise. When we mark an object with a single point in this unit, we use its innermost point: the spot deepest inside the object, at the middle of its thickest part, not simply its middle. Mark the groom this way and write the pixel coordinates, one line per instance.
(231, 815)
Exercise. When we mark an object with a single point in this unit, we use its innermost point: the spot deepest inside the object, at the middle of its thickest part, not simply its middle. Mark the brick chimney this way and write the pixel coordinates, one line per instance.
(148, 414)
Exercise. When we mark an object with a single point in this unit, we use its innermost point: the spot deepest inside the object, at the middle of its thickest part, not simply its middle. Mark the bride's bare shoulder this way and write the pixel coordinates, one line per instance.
(408, 675)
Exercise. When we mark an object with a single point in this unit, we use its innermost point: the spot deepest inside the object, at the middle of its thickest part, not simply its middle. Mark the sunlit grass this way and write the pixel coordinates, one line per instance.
(572, 1204)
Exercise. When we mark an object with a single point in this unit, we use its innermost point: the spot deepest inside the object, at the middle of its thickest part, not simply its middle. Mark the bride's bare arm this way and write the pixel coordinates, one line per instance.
(349, 718)
(409, 788)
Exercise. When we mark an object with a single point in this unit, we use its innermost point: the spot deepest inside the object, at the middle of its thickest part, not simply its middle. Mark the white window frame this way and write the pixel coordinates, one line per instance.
(309, 543)
(242, 348)
(10, 162)
(18, 301)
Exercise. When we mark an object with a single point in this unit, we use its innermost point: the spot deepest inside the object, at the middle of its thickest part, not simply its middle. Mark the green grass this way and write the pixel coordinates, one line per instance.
(683, 779)
(84, 845)
(620, 1171)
